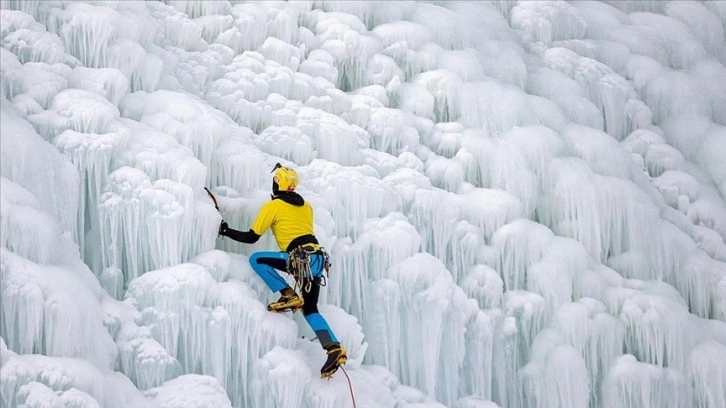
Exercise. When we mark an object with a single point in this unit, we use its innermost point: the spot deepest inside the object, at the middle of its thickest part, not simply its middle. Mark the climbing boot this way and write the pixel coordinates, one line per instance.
(286, 302)
(336, 357)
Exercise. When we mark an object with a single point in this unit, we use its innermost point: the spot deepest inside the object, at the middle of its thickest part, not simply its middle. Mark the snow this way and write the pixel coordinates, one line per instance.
(524, 202)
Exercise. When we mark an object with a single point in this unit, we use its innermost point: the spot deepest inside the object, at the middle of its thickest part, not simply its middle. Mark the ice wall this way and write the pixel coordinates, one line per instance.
(524, 201)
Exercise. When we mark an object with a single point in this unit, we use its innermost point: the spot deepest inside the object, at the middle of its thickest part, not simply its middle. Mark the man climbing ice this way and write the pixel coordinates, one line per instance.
(291, 219)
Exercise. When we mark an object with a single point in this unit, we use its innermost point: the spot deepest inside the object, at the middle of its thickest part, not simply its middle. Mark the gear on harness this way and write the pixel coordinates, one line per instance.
(298, 265)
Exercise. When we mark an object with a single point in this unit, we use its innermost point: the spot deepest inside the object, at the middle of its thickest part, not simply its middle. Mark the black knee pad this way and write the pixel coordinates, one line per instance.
(309, 308)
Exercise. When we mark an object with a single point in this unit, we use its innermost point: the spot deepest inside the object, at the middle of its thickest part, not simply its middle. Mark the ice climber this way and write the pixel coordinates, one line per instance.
(291, 219)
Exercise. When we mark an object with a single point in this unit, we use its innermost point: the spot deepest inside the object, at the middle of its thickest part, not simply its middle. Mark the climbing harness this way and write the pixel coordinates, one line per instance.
(298, 265)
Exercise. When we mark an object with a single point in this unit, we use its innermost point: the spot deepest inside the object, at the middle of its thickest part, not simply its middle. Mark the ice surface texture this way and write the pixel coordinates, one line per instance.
(524, 201)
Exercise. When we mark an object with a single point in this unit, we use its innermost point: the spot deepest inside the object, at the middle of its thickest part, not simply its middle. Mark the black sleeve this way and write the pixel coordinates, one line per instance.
(246, 237)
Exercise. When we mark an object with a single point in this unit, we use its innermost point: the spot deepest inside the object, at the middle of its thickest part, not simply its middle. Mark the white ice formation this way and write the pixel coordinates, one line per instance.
(524, 201)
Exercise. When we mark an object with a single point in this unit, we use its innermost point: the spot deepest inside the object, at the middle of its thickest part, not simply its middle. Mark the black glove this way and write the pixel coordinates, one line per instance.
(223, 227)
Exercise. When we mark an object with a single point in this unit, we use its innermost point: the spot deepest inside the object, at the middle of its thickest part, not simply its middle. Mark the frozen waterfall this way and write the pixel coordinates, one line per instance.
(524, 201)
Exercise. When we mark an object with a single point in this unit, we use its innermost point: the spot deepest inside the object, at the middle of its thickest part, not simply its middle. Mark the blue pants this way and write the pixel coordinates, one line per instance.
(266, 265)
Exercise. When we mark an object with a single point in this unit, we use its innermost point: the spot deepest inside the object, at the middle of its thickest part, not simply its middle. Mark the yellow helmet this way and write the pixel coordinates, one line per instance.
(284, 179)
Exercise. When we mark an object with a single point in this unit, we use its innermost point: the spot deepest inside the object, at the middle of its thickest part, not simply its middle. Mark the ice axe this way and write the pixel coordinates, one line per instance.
(214, 198)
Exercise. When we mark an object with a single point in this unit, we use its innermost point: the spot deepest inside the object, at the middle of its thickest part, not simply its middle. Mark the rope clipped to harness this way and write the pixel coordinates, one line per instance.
(298, 265)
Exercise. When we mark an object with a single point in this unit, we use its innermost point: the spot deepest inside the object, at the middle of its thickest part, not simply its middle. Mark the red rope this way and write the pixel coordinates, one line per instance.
(350, 385)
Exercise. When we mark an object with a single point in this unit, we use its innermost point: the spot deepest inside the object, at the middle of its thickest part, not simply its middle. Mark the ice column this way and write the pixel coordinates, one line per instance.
(253, 332)
(520, 243)
(556, 375)
(56, 180)
(477, 371)
(198, 390)
(352, 197)
(631, 383)
(280, 379)
(49, 310)
(382, 243)
(706, 375)
(86, 32)
(92, 154)
(432, 321)
(142, 224)
(169, 301)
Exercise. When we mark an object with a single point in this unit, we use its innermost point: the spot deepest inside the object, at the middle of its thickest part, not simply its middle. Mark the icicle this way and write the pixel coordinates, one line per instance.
(444, 173)
(521, 183)
(609, 91)
(27, 6)
(596, 335)
(409, 45)
(319, 64)
(21, 296)
(454, 346)
(382, 243)
(200, 390)
(474, 402)
(371, 14)
(35, 46)
(654, 323)
(682, 48)
(334, 139)
(287, 142)
(520, 243)
(706, 375)
(426, 285)
(83, 111)
(46, 84)
(478, 369)
(36, 379)
(547, 21)
(456, 241)
(53, 300)
(178, 28)
(507, 357)
(147, 74)
(254, 332)
(631, 383)
(483, 284)
(556, 374)
(443, 86)
(343, 36)
(141, 358)
(112, 280)
(55, 181)
(277, 50)
(107, 82)
(383, 327)
(249, 29)
(554, 275)
(86, 31)
(392, 130)
(124, 55)
(350, 192)
(445, 140)
(604, 155)
(169, 299)
(280, 379)
(611, 53)
(197, 8)
(29, 232)
(92, 154)
(529, 310)
(699, 139)
(167, 207)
